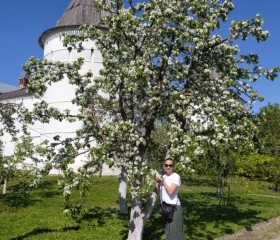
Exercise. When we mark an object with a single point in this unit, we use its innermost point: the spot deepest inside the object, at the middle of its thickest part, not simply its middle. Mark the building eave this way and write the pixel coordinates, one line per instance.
(13, 94)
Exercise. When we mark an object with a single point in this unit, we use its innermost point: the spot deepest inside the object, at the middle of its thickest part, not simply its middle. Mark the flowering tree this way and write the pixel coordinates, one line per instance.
(163, 61)
(15, 165)
(8, 125)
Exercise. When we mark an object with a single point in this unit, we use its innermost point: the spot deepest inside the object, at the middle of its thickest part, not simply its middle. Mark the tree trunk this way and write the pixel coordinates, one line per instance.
(219, 191)
(5, 186)
(136, 224)
(122, 192)
(138, 218)
(277, 186)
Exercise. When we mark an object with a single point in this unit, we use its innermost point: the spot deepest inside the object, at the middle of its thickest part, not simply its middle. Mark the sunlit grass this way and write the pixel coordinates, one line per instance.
(39, 215)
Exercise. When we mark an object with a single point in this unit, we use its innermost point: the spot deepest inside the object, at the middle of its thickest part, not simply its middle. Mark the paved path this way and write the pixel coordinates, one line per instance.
(268, 230)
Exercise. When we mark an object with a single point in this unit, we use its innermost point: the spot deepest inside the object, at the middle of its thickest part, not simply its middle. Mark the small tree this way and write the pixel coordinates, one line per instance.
(8, 126)
(161, 60)
(5, 171)
(25, 161)
(22, 165)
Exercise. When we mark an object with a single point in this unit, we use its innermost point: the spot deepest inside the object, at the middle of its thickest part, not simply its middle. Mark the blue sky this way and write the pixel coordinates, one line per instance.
(23, 21)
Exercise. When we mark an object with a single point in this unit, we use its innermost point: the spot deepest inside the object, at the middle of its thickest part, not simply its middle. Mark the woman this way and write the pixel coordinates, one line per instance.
(169, 187)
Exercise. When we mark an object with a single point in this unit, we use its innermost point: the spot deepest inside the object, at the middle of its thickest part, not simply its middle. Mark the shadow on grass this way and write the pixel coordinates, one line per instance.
(17, 197)
(46, 230)
(99, 214)
(49, 194)
(205, 220)
(94, 218)
(91, 218)
(17, 200)
(198, 215)
(47, 189)
(98, 217)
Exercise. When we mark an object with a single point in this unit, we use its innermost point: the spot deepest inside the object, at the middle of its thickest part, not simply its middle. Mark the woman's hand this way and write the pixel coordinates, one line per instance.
(159, 179)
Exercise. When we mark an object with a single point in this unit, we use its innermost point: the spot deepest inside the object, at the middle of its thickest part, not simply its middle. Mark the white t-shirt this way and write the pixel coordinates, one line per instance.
(173, 199)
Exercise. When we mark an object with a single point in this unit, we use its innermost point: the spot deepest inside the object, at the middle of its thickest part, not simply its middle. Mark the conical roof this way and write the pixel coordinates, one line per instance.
(80, 12)
(77, 13)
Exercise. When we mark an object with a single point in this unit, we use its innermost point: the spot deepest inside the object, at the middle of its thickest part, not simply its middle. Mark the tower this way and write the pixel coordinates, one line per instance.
(60, 94)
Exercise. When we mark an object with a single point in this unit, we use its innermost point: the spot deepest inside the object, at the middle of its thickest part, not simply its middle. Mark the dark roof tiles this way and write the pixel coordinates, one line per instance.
(80, 12)
(77, 13)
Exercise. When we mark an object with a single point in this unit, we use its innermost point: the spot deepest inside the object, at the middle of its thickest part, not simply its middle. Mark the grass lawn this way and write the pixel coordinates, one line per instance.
(39, 215)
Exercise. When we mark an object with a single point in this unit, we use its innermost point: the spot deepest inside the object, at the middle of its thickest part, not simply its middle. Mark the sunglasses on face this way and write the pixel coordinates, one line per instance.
(168, 165)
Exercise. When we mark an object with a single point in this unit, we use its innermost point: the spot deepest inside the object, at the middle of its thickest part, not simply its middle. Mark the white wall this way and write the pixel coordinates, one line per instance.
(60, 94)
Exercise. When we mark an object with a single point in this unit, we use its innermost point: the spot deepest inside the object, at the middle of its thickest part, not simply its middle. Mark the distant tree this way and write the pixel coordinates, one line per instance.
(162, 60)
(269, 136)
(255, 166)
(218, 164)
(269, 129)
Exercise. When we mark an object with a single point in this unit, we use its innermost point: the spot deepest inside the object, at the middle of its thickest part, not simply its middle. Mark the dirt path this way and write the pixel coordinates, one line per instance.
(268, 230)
